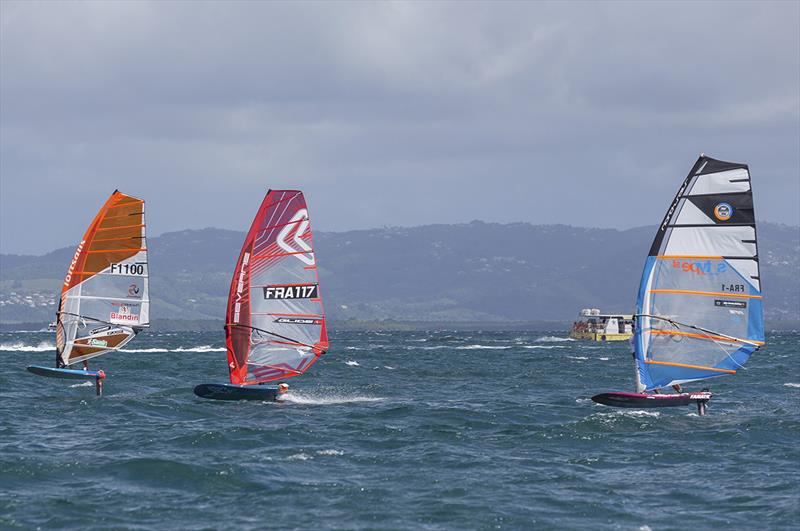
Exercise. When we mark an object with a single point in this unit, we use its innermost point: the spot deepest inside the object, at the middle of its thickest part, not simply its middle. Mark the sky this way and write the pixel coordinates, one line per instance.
(391, 113)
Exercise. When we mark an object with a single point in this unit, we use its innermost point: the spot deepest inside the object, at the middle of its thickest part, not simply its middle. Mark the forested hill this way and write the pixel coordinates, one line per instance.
(475, 272)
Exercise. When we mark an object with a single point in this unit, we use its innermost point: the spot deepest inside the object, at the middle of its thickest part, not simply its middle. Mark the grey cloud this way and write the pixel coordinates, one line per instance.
(388, 113)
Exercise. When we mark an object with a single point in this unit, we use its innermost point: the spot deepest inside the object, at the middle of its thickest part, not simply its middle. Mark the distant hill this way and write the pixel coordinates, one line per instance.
(476, 272)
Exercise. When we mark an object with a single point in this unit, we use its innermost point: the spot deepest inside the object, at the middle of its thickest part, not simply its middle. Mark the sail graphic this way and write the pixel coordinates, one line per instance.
(104, 298)
(275, 324)
(699, 311)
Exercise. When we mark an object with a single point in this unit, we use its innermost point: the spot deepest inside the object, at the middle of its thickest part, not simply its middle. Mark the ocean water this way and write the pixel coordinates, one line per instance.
(400, 430)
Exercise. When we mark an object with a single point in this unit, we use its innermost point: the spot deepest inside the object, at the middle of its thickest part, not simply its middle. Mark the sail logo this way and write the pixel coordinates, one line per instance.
(124, 315)
(98, 342)
(133, 290)
(700, 268)
(73, 263)
(237, 306)
(730, 304)
(298, 320)
(723, 211)
(291, 291)
(296, 228)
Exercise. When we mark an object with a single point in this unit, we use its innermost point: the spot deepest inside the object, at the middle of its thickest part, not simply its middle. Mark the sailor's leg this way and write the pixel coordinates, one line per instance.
(702, 407)
(98, 385)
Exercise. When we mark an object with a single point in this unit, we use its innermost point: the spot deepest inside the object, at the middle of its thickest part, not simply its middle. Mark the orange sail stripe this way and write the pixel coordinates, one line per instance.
(687, 366)
(115, 250)
(122, 227)
(702, 336)
(709, 293)
(688, 256)
(126, 203)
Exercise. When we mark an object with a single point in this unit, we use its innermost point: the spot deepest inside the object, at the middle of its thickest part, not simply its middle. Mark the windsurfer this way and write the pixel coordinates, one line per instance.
(283, 388)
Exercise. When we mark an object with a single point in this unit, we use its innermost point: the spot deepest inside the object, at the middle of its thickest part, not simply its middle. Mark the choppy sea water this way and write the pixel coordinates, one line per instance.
(400, 430)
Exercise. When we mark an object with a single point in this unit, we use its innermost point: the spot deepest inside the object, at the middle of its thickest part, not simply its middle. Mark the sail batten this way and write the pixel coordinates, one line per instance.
(699, 308)
(275, 325)
(105, 295)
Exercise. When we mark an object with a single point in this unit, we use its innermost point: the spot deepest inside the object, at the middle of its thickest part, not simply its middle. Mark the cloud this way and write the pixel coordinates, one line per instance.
(388, 113)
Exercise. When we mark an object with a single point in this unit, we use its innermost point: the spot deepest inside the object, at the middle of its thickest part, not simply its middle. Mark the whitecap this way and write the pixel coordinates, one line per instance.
(83, 384)
(482, 347)
(352, 363)
(201, 348)
(553, 339)
(325, 400)
(299, 457)
(603, 359)
(790, 384)
(578, 358)
(19, 346)
(143, 350)
(330, 452)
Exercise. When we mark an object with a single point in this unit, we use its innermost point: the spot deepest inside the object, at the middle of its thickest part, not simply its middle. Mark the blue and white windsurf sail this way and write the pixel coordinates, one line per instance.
(699, 312)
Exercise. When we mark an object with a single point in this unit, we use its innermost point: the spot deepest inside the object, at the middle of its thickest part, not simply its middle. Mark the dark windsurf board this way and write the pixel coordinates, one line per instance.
(643, 400)
(236, 392)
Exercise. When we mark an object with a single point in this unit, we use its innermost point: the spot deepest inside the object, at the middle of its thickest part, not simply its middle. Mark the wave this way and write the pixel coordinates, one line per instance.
(330, 452)
(546, 347)
(352, 363)
(201, 348)
(603, 359)
(324, 399)
(578, 358)
(553, 339)
(19, 346)
(790, 384)
(83, 384)
(482, 347)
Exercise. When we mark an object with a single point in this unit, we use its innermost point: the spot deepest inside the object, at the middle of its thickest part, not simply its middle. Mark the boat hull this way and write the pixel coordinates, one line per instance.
(642, 400)
(236, 392)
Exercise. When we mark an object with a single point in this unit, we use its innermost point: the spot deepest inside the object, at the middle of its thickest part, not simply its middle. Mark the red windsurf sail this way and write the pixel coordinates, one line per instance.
(275, 324)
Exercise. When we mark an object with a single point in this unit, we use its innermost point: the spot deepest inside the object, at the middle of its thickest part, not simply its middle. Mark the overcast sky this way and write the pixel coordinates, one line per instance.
(586, 114)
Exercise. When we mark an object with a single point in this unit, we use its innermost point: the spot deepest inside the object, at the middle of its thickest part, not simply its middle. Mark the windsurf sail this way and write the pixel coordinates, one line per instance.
(104, 297)
(699, 311)
(275, 325)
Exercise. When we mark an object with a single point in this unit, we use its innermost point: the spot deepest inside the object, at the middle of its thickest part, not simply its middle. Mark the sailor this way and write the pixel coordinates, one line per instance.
(283, 388)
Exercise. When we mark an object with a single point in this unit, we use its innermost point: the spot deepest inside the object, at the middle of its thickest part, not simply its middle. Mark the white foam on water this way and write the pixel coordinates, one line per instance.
(83, 384)
(546, 347)
(325, 400)
(19, 346)
(388, 367)
(299, 457)
(352, 363)
(635, 413)
(790, 384)
(330, 452)
(645, 528)
(553, 339)
(578, 358)
(201, 348)
(603, 359)
(482, 347)
(143, 350)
